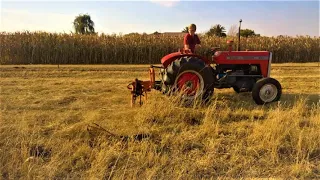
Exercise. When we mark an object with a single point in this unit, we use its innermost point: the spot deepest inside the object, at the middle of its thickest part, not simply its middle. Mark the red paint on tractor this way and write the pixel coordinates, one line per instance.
(168, 59)
(247, 59)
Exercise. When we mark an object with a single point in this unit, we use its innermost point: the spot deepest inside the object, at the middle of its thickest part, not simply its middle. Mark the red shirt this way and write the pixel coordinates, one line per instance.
(191, 41)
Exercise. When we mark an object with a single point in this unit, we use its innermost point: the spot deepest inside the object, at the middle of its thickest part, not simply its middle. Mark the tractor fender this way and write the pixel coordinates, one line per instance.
(168, 59)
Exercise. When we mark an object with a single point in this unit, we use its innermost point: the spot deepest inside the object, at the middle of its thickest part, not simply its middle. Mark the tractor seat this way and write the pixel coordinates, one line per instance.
(184, 51)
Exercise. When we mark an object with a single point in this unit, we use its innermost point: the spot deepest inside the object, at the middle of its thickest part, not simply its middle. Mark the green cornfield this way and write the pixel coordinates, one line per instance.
(59, 48)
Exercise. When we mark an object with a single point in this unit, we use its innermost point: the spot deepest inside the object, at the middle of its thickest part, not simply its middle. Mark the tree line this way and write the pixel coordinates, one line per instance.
(220, 31)
(83, 24)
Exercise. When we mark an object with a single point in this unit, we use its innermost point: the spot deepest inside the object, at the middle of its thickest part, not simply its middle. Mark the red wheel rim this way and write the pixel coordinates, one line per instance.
(189, 83)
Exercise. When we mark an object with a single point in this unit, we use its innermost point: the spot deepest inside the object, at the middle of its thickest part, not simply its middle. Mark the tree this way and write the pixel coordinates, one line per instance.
(233, 30)
(185, 30)
(217, 30)
(132, 34)
(83, 24)
(247, 33)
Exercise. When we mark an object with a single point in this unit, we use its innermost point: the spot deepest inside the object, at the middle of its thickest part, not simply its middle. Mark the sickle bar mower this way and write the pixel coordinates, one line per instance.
(140, 88)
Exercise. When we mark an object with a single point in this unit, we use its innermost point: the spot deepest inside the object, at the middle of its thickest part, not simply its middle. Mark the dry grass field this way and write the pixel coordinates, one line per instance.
(47, 128)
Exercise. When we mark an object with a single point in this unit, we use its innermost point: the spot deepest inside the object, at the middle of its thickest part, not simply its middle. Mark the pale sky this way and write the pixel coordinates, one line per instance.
(268, 18)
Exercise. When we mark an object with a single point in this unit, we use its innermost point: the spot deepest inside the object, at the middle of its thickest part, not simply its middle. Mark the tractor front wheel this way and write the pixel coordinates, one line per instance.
(266, 90)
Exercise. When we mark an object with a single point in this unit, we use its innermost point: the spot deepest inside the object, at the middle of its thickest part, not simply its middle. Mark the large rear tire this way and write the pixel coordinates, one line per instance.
(191, 77)
(266, 90)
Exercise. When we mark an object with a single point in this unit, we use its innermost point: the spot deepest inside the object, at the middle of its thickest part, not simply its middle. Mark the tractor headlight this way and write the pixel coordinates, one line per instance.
(254, 69)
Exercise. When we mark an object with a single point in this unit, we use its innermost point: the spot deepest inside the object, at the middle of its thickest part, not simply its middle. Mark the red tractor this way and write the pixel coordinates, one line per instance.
(196, 77)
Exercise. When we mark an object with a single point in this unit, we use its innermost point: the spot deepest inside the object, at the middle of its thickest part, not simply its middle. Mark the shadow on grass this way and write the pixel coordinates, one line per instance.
(229, 99)
(245, 100)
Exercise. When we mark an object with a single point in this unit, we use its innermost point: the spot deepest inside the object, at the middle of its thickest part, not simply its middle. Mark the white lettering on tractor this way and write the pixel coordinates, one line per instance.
(248, 57)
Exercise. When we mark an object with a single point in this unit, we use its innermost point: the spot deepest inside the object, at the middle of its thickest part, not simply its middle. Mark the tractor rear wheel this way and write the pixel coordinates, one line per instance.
(266, 90)
(190, 77)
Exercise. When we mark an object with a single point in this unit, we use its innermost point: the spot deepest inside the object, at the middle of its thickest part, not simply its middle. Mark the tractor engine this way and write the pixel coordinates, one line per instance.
(239, 77)
(240, 69)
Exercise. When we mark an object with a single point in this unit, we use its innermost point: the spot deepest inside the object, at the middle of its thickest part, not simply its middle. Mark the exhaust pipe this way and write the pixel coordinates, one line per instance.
(239, 35)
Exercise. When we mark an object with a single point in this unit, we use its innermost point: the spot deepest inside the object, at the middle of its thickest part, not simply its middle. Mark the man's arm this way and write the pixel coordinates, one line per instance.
(185, 42)
(198, 41)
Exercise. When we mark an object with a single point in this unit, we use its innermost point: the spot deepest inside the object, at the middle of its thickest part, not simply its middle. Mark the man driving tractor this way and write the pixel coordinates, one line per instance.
(191, 39)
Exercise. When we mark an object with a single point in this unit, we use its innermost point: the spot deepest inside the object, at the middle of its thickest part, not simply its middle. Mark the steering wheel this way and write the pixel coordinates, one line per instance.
(213, 50)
